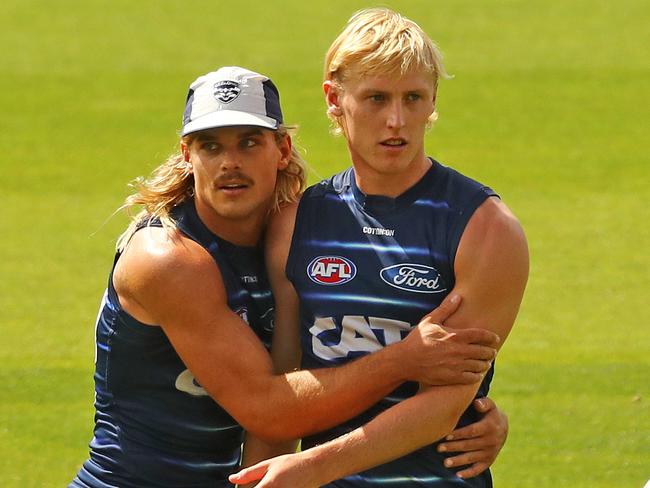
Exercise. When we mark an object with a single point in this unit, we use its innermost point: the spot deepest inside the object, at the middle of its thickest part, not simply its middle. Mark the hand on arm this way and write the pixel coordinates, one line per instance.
(477, 445)
(431, 354)
(491, 271)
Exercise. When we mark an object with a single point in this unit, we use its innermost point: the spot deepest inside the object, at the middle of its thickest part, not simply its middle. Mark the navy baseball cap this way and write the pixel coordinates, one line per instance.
(231, 96)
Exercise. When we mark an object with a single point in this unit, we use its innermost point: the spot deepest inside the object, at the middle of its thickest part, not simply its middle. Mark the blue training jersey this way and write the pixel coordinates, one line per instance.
(366, 269)
(155, 426)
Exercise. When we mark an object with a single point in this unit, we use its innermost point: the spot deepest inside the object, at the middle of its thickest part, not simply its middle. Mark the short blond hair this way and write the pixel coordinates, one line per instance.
(172, 183)
(379, 41)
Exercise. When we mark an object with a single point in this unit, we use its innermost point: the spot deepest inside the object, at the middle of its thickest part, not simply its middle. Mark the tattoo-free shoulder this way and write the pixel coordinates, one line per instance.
(160, 264)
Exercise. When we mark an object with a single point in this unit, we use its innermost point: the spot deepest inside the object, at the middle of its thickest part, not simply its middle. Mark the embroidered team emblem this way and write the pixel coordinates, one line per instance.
(226, 91)
(417, 278)
(331, 270)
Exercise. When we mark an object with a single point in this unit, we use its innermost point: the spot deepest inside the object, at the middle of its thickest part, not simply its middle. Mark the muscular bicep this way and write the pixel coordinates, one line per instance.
(491, 269)
(286, 333)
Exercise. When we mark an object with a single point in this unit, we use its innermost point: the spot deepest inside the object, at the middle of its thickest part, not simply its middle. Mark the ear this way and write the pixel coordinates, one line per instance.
(185, 151)
(285, 150)
(332, 98)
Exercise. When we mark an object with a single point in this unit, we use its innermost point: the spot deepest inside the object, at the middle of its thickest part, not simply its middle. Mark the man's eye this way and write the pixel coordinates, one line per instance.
(377, 97)
(249, 142)
(412, 97)
(209, 146)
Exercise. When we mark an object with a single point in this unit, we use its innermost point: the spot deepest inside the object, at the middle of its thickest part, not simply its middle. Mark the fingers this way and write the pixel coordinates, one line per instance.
(478, 444)
(468, 378)
(478, 336)
(473, 470)
(475, 462)
(487, 426)
(495, 420)
(477, 435)
(446, 309)
(483, 353)
(467, 458)
(476, 366)
(473, 372)
(466, 445)
(247, 475)
(483, 405)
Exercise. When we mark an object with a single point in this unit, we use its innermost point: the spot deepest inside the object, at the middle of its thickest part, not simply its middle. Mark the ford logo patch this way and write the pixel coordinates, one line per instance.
(417, 278)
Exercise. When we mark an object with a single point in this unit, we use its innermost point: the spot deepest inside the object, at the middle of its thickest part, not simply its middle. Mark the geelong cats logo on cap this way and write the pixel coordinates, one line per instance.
(226, 91)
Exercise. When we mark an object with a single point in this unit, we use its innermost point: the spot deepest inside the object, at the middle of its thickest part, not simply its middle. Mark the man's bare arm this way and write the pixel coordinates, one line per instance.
(173, 282)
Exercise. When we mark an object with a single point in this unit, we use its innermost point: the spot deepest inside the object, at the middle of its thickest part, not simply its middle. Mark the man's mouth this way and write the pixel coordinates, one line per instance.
(232, 182)
(233, 186)
(394, 142)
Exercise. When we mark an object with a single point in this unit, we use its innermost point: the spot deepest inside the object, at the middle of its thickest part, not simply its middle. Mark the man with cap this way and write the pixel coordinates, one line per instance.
(181, 366)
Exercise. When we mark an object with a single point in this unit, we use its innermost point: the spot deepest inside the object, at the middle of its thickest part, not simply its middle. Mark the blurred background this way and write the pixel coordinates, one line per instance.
(548, 105)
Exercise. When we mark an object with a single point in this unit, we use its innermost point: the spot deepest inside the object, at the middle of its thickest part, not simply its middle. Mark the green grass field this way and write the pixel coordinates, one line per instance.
(548, 105)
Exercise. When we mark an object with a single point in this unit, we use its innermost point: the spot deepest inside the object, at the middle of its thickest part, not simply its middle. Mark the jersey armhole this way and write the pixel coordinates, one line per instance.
(462, 218)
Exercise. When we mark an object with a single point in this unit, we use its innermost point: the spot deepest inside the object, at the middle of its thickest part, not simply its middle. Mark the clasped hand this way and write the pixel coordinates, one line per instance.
(438, 355)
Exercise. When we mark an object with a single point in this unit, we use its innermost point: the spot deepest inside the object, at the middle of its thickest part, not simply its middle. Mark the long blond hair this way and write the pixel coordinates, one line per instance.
(172, 183)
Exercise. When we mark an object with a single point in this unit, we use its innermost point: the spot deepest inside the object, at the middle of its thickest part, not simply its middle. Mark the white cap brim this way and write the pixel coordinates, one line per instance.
(228, 118)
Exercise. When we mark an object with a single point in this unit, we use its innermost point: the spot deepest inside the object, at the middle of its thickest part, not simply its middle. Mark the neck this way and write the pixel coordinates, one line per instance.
(245, 231)
(372, 182)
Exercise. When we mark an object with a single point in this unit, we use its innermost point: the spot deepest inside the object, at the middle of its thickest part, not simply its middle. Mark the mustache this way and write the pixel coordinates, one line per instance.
(233, 177)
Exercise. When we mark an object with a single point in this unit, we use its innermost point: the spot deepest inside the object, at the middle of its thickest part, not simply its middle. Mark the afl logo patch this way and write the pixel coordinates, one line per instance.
(226, 91)
(331, 270)
(417, 278)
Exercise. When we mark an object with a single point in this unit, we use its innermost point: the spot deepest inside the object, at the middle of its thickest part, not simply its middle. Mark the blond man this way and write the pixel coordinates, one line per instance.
(372, 249)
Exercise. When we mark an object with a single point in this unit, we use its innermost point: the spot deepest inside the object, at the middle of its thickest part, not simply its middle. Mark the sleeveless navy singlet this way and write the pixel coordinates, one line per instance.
(155, 426)
(366, 269)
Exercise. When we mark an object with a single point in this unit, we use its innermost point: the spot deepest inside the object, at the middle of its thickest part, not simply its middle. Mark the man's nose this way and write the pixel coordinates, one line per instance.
(230, 160)
(395, 118)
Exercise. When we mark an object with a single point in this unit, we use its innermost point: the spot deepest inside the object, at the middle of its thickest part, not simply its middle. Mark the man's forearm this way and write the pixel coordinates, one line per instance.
(256, 450)
(404, 428)
(314, 400)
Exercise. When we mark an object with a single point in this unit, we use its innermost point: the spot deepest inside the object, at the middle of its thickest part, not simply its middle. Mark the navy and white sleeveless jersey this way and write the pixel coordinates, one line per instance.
(366, 269)
(155, 426)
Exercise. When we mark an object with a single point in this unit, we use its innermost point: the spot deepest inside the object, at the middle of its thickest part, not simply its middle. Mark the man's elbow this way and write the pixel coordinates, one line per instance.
(451, 422)
(457, 406)
(273, 428)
